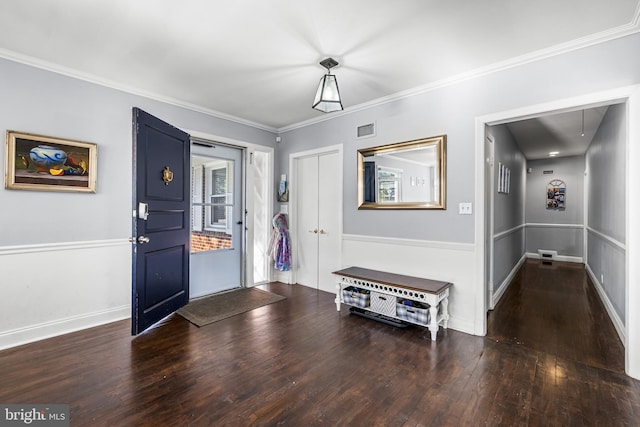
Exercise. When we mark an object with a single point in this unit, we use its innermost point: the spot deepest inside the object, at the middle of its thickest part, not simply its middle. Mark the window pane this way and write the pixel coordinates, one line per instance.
(212, 180)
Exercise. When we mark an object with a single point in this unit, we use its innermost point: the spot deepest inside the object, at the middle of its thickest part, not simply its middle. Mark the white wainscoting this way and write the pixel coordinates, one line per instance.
(609, 261)
(561, 233)
(445, 261)
(53, 289)
(498, 293)
(504, 285)
(564, 258)
(618, 323)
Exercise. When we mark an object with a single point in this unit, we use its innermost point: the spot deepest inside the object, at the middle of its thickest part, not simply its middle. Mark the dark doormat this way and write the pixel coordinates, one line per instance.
(210, 309)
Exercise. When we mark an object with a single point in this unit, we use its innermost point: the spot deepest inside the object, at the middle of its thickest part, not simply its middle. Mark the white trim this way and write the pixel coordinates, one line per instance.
(58, 327)
(632, 235)
(505, 233)
(562, 258)
(629, 94)
(293, 214)
(247, 150)
(611, 34)
(607, 238)
(63, 246)
(208, 137)
(282, 276)
(317, 151)
(111, 84)
(615, 319)
(550, 225)
(495, 298)
(604, 36)
(468, 247)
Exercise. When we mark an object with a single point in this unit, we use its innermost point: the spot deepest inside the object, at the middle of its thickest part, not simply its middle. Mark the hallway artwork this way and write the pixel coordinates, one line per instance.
(556, 192)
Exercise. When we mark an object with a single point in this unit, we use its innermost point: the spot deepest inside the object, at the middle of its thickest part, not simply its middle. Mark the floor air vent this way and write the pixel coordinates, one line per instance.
(547, 256)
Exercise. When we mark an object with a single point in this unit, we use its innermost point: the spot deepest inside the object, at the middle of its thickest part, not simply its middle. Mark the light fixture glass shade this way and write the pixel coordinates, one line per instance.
(328, 96)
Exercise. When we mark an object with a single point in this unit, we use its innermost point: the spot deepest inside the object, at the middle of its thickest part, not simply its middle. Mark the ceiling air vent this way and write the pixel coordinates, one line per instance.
(366, 130)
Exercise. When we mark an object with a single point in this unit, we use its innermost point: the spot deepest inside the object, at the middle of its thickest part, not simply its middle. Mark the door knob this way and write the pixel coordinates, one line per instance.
(322, 231)
(143, 239)
(314, 231)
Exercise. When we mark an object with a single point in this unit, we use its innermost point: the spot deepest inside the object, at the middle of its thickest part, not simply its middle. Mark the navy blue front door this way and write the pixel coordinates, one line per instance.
(161, 223)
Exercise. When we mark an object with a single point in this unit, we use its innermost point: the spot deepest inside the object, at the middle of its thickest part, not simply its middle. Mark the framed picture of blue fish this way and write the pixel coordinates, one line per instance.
(44, 163)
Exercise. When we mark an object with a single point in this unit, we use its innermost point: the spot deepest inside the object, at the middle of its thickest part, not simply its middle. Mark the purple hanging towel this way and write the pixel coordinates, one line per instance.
(279, 246)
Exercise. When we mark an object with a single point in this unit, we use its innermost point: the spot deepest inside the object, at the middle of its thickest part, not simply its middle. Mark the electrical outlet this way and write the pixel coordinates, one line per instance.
(465, 209)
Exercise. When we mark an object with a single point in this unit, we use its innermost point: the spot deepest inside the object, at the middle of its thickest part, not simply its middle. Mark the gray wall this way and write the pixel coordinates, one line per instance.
(555, 229)
(508, 208)
(605, 180)
(452, 110)
(65, 261)
(38, 101)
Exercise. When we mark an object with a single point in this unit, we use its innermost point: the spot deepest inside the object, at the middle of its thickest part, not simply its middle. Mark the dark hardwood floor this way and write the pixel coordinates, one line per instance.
(554, 308)
(298, 362)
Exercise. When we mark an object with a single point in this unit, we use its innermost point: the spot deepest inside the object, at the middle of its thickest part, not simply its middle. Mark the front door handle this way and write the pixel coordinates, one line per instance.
(143, 239)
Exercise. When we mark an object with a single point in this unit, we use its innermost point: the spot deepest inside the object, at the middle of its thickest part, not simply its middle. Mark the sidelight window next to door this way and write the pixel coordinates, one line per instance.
(212, 202)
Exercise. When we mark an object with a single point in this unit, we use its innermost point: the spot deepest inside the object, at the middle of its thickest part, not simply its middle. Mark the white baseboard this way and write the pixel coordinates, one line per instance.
(461, 325)
(283, 276)
(615, 319)
(563, 258)
(497, 294)
(46, 330)
(96, 288)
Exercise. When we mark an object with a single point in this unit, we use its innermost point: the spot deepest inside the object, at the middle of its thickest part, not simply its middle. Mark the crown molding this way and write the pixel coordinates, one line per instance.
(597, 38)
(618, 32)
(92, 78)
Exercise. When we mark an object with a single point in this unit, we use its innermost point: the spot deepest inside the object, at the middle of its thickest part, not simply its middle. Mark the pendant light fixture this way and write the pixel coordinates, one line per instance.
(582, 132)
(328, 96)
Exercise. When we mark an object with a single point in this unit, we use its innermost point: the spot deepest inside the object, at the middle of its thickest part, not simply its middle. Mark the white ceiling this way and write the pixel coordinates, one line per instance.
(565, 133)
(257, 61)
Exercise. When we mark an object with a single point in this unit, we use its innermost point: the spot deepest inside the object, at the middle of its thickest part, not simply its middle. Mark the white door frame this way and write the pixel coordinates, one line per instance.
(489, 218)
(249, 148)
(293, 219)
(630, 95)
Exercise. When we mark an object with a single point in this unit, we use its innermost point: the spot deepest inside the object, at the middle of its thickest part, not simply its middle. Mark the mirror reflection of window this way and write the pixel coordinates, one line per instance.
(389, 185)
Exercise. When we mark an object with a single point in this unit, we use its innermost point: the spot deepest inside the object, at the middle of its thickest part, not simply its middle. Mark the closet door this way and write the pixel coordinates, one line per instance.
(307, 229)
(328, 220)
(318, 198)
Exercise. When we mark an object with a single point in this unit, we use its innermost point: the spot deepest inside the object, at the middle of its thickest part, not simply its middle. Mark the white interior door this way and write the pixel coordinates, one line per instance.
(318, 201)
(328, 220)
(307, 225)
(217, 219)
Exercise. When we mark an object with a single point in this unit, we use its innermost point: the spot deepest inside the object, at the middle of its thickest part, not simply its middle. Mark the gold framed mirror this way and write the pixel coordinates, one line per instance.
(404, 175)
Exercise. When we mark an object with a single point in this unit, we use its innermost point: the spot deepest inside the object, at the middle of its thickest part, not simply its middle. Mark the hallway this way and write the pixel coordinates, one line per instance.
(555, 309)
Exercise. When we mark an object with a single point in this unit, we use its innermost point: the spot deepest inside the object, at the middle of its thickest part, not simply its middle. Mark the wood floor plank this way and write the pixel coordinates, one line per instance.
(299, 362)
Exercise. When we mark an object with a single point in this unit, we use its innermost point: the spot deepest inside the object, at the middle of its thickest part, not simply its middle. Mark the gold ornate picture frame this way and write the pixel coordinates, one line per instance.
(44, 163)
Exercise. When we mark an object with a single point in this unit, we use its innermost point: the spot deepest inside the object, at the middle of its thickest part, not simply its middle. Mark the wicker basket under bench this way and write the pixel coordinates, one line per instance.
(415, 300)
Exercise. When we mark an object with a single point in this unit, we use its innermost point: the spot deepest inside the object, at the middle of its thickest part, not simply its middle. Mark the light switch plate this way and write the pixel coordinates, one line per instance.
(465, 209)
